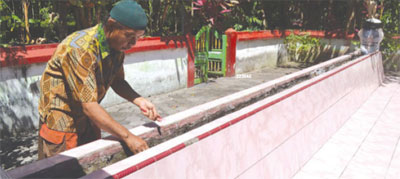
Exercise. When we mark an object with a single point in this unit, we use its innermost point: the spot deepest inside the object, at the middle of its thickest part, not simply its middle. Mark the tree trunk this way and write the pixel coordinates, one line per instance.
(350, 14)
(25, 6)
(371, 7)
(284, 16)
(175, 17)
(157, 29)
(78, 24)
(329, 19)
(382, 8)
(89, 13)
(264, 15)
(83, 18)
(312, 19)
(150, 16)
(164, 16)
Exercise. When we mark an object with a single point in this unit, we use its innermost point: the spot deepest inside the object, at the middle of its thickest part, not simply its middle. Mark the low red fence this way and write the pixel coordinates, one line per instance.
(42, 53)
(32, 54)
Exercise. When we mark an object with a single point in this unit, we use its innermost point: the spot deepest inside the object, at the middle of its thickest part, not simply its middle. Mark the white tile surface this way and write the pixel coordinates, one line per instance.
(366, 146)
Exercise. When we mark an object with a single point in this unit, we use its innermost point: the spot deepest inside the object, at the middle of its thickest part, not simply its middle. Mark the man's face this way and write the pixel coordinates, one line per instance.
(126, 38)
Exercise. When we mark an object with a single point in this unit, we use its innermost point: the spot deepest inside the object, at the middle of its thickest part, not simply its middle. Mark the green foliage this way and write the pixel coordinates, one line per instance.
(391, 26)
(76, 3)
(9, 19)
(390, 49)
(355, 43)
(47, 21)
(303, 48)
(391, 17)
(54, 20)
(248, 16)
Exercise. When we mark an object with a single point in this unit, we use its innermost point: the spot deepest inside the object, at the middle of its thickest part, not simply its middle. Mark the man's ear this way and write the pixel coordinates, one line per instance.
(111, 25)
(111, 20)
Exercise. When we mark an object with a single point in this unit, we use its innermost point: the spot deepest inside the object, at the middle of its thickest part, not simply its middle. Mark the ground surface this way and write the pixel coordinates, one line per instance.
(180, 100)
(23, 150)
(367, 145)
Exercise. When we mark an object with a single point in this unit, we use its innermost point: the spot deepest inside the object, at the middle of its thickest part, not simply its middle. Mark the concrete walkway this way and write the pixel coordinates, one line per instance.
(367, 145)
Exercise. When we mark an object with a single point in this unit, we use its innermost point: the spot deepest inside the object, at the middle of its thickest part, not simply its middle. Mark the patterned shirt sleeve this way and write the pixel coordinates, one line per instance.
(79, 70)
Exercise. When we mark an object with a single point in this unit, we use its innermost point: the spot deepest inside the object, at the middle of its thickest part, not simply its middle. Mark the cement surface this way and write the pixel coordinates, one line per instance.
(180, 100)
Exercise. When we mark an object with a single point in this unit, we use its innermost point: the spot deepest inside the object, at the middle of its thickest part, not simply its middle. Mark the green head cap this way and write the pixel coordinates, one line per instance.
(130, 14)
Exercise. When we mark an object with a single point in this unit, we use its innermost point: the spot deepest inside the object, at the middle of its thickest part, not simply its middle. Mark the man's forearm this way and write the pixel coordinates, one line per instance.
(103, 120)
(123, 89)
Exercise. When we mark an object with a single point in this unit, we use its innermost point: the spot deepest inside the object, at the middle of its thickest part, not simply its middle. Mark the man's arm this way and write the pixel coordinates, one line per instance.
(123, 89)
(78, 67)
(103, 120)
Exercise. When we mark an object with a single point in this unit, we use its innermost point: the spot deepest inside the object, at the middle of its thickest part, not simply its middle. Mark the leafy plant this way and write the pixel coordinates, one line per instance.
(213, 11)
(303, 48)
(47, 22)
(11, 20)
(390, 49)
(249, 16)
(56, 19)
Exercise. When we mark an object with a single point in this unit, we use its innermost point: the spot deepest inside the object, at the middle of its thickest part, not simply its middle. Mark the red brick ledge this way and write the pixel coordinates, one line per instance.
(31, 54)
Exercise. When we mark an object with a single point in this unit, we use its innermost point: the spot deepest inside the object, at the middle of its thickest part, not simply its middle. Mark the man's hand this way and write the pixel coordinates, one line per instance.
(148, 109)
(104, 121)
(123, 89)
(136, 144)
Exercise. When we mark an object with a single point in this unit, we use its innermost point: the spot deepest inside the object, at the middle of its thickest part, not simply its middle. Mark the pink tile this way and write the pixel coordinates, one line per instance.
(339, 150)
(393, 171)
(374, 155)
(319, 169)
(305, 175)
(203, 159)
(281, 163)
(363, 169)
(274, 143)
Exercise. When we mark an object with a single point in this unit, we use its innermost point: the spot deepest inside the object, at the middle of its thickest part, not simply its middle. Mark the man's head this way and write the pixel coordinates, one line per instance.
(126, 25)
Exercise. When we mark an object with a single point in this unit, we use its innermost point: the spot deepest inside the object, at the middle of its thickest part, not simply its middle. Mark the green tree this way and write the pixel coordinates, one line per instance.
(391, 27)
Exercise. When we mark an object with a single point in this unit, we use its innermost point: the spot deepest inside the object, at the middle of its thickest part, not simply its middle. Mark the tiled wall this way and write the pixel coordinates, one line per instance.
(276, 141)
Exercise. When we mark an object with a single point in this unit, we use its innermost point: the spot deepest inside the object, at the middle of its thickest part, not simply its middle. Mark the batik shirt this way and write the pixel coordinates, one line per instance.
(81, 70)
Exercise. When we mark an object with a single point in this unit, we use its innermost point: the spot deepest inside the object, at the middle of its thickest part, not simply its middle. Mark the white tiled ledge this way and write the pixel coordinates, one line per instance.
(88, 153)
(157, 153)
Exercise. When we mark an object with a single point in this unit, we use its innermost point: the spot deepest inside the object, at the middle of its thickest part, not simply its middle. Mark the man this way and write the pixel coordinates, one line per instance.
(76, 78)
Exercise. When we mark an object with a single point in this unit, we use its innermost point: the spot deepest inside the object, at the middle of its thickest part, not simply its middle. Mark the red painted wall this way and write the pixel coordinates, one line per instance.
(232, 37)
(42, 53)
(190, 63)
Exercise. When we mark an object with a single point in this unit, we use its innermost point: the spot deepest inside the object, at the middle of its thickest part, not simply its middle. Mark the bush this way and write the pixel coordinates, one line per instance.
(390, 49)
(303, 48)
